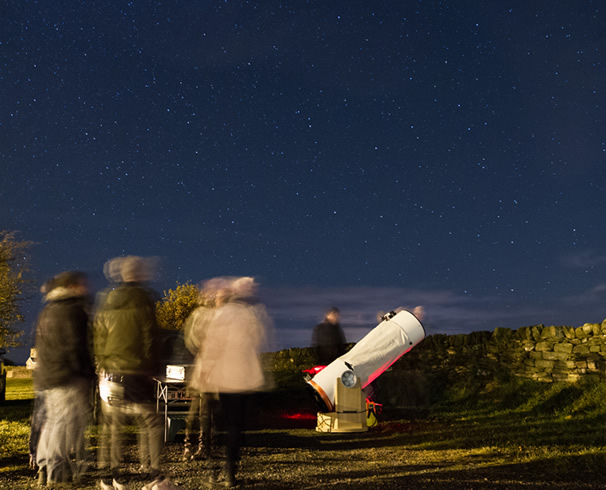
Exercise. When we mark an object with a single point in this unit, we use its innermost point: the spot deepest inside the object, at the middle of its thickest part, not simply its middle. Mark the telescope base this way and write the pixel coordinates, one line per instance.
(341, 422)
(350, 411)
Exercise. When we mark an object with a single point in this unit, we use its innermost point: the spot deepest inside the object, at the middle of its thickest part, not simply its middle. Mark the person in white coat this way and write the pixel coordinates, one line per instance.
(230, 363)
(203, 406)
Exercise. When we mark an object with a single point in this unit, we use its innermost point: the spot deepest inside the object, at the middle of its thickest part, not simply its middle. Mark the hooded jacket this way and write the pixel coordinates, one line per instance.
(126, 333)
(62, 340)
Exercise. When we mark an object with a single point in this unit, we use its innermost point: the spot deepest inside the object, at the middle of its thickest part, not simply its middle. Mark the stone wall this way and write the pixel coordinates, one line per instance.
(539, 352)
(542, 353)
(562, 353)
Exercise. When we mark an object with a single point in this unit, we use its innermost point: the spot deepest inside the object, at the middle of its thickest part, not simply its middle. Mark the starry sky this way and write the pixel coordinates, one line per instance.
(367, 155)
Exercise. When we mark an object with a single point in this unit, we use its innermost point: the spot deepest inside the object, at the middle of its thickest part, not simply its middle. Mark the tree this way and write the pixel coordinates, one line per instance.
(176, 305)
(14, 287)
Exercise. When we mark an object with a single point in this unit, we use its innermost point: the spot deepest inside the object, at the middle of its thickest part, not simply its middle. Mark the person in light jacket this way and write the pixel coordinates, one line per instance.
(203, 406)
(230, 363)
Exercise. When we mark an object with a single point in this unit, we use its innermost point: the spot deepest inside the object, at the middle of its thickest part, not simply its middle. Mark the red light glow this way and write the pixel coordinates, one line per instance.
(314, 370)
(299, 416)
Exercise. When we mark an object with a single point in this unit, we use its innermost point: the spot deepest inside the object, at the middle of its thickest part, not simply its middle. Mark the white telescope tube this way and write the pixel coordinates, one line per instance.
(397, 334)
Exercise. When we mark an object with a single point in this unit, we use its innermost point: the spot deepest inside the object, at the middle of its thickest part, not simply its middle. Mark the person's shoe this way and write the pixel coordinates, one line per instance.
(60, 483)
(81, 469)
(152, 485)
(201, 453)
(117, 485)
(42, 477)
(114, 485)
(145, 472)
(167, 484)
(226, 479)
(161, 483)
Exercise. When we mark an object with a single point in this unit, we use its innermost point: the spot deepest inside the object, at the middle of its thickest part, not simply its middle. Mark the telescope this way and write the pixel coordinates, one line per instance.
(338, 387)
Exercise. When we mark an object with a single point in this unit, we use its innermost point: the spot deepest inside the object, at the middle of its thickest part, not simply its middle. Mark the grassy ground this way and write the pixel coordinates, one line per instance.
(515, 434)
(14, 419)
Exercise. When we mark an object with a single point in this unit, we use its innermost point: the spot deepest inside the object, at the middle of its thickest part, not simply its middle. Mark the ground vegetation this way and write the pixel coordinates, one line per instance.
(514, 434)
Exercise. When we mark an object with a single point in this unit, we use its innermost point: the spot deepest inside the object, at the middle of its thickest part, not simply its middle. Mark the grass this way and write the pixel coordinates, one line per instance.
(515, 432)
(15, 418)
(19, 389)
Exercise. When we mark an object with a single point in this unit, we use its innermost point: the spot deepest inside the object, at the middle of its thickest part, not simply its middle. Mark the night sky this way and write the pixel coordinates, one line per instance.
(367, 155)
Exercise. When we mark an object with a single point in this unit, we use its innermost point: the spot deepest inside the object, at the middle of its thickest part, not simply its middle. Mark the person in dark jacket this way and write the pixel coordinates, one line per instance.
(328, 340)
(126, 340)
(63, 377)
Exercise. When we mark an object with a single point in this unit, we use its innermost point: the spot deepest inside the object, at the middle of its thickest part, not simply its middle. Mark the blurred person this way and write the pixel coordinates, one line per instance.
(328, 339)
(36, 423)
(417, 311)
(63, 378)
(203, 406)
(38, 410)
(126, 344)
(231, 364)
(111, 271)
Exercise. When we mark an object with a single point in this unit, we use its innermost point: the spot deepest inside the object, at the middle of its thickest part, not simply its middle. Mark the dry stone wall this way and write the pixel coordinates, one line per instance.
(562, 353)
(542, 353)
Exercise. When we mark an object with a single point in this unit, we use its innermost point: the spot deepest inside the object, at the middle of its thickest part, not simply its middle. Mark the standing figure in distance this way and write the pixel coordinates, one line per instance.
(327, 339)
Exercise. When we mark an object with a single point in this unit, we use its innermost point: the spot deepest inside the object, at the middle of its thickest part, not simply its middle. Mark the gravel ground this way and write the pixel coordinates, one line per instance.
(292, 455)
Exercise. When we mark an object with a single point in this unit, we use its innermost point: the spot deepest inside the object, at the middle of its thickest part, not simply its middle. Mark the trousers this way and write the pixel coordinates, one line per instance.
(61, 447)
(118, 409)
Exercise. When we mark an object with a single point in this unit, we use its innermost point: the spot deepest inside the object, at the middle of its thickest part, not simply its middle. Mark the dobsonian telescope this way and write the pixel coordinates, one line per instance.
(338, 387)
